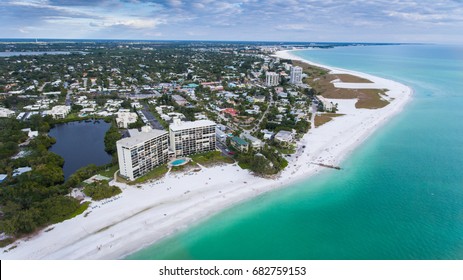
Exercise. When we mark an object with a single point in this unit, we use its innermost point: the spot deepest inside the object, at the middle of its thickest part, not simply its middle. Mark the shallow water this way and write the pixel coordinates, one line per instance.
(399, 195)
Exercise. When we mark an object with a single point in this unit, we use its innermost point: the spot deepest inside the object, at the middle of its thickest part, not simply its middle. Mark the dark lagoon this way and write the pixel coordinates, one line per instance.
(80, 144)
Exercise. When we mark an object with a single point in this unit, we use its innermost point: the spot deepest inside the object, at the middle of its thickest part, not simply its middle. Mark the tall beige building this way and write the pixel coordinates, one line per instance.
(272, 79)
(296, 75)
(188, 138)
(142, 151)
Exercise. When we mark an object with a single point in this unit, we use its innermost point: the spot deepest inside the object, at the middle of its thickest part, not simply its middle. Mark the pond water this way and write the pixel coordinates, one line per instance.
(80, 144)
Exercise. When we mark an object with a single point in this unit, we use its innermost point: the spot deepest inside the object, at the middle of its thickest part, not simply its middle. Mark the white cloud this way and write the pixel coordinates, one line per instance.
(292, 26)
(232, 19)
(130, 23)
(175, 3)
(23, 30)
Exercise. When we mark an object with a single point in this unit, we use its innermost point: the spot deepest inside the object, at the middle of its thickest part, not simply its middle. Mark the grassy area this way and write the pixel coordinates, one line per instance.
(79, 210)
(244, 165)
(156, 173)
(184, 167)
(312, 71)
(287, 150)
(346, 78)
(367, 98)
(211, 158)
(6, 242)
(324, 118)
(121, 179)
(321, 81)
(109, 172)
(371, 99)
(101, 190)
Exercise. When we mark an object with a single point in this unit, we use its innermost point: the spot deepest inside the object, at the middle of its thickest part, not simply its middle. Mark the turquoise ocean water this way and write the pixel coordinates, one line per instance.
(399, 196)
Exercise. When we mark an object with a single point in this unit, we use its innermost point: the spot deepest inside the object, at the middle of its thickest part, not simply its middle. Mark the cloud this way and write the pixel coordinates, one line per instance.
(175, 3)
(292, 26)
(242, 19)
(130, 23)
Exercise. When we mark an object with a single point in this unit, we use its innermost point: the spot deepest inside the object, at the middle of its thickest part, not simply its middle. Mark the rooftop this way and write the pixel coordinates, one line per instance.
(187, 125)
(239, 141)
(137, 137)
(250, 137)
(21, 170)
(284, 135)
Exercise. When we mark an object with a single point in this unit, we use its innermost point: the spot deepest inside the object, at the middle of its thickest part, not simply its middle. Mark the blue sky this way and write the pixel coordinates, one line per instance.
(262, 20)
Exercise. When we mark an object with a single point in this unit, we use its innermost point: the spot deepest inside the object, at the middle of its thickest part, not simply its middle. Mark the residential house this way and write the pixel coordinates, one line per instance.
(255, 142)
(284, 137)
(239, 144)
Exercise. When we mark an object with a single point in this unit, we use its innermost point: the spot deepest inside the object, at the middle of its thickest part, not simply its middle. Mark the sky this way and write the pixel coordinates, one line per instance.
(406, 21)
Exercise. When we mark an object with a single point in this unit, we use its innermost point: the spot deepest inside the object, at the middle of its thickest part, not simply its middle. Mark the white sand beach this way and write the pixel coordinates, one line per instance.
(138, 217)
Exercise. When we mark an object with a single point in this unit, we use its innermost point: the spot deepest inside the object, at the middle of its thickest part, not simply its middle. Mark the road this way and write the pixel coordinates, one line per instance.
(68, 98)
(151, 119)
(264, 115)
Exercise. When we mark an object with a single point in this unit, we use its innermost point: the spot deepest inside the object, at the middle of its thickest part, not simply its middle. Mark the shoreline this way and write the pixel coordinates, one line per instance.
(140, 217)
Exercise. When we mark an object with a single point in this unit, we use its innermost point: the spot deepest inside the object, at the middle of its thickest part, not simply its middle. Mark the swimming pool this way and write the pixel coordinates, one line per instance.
(179, 162)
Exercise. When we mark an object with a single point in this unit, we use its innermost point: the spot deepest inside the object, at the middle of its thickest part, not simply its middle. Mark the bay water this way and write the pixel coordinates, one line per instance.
(399, 195)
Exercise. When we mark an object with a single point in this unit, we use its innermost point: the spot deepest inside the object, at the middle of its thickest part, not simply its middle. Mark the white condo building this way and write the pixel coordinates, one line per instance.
(272, 79)
(188, 138)
(296, 75)
(141, 152)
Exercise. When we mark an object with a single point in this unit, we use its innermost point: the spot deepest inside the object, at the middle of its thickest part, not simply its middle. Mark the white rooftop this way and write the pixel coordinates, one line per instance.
(137, 137)
(21, 170)
(187, 125)
(284, 135)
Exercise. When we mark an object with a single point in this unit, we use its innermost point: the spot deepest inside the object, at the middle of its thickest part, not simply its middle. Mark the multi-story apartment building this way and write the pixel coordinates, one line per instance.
(188, 138)
(272, 79)
(142, 151)
(296, 75)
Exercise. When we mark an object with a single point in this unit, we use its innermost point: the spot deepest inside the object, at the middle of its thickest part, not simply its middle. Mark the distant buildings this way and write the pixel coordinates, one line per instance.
(30, 133)
(267, 134)
(188, 138)
(327, 105)
(220, 135)
(272, 79)
(58, 112)
(179, 100)
(21, 170)
(125, 117)
(296, 75)
(284, 137)
(239, 144)
(259, 98)
(142, 152)
(231, 111)
(6, 113)
(255, 142)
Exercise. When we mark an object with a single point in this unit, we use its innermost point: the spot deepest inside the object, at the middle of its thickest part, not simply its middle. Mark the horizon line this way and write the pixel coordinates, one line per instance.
(209, 40)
